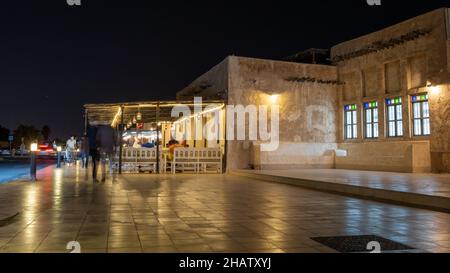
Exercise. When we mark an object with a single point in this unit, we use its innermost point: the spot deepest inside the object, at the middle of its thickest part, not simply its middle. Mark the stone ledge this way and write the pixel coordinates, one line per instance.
(437, 203)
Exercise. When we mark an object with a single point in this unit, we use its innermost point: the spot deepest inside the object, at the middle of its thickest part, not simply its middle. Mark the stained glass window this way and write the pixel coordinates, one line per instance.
(351, 121)
(371, 119)
(421, 115)
(394, 117)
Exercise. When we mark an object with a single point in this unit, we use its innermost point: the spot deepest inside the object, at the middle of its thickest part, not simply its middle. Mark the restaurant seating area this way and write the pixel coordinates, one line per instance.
(154, 138)
(196, 160)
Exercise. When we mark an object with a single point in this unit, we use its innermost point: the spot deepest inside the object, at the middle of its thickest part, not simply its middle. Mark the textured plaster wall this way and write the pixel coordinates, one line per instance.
(307, 113)
(440, 122)
(402, 70)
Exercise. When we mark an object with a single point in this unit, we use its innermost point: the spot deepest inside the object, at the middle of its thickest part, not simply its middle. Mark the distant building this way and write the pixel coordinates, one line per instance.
(384, 103)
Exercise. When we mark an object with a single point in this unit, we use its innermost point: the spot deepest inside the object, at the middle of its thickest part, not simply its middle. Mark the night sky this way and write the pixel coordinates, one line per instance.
(54, 58)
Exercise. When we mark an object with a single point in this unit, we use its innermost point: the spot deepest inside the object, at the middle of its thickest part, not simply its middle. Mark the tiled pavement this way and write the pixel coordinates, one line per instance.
(426, 184)
(431, 191)
(190, 213)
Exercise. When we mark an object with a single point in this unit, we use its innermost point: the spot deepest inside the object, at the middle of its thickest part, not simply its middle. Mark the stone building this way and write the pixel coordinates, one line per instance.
(384, 103)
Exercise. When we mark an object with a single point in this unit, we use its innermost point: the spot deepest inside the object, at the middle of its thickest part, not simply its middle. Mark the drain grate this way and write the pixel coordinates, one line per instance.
(352, 244)
(8, 220)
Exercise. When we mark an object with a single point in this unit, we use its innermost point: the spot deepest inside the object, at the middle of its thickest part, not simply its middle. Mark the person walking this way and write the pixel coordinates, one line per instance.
(22, 149)
(84, 149)
(93, 152)
(106, 142)
(70, 148)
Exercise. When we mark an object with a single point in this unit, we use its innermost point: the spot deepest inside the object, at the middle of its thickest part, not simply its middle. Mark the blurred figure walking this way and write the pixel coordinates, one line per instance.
(106, 143)
(84, 150)
(93, 152)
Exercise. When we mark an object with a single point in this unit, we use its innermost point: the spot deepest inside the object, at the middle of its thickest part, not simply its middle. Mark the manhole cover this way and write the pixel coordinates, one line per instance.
(352, 244)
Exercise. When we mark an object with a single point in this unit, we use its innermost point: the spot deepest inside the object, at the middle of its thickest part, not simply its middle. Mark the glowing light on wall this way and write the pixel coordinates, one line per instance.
(274, 98)
(435, 89)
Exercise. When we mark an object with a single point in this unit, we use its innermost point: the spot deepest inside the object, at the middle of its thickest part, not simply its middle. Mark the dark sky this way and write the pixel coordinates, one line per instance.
(54, 58)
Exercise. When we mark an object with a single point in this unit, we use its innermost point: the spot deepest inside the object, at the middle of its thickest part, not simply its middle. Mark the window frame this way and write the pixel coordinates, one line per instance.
(372, 107)
(353, 110)
(395, 104)
(421, 100)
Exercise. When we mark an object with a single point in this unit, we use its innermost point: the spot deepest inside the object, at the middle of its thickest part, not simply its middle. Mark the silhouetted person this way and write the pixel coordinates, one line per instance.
(106, 142)
(93, 152)
(84, 149)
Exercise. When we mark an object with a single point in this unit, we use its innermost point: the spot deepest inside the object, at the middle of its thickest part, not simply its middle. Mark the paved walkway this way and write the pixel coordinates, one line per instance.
(428, 184)
(423, 190)
(190, 213)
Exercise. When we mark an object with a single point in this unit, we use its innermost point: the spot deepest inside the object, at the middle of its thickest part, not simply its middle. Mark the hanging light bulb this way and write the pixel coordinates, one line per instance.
(139, 115)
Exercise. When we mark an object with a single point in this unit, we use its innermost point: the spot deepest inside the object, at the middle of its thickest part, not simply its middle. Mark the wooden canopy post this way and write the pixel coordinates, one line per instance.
(122, 109)
(157, 139)
(85, 122)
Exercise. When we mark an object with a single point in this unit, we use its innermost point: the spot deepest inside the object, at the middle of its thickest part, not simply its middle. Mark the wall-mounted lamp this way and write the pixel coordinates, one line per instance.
(274, 98)
(433, 88)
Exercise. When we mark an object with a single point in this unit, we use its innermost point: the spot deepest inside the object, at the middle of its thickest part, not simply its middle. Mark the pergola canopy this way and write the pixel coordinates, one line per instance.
(151, 111)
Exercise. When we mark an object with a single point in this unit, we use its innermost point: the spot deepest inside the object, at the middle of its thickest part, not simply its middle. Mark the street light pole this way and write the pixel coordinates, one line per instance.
(33, 150)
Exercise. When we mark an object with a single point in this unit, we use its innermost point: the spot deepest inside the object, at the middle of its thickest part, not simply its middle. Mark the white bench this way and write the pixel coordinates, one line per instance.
(196, 159)
(137, 160)
(147, 159)
(210, 160)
